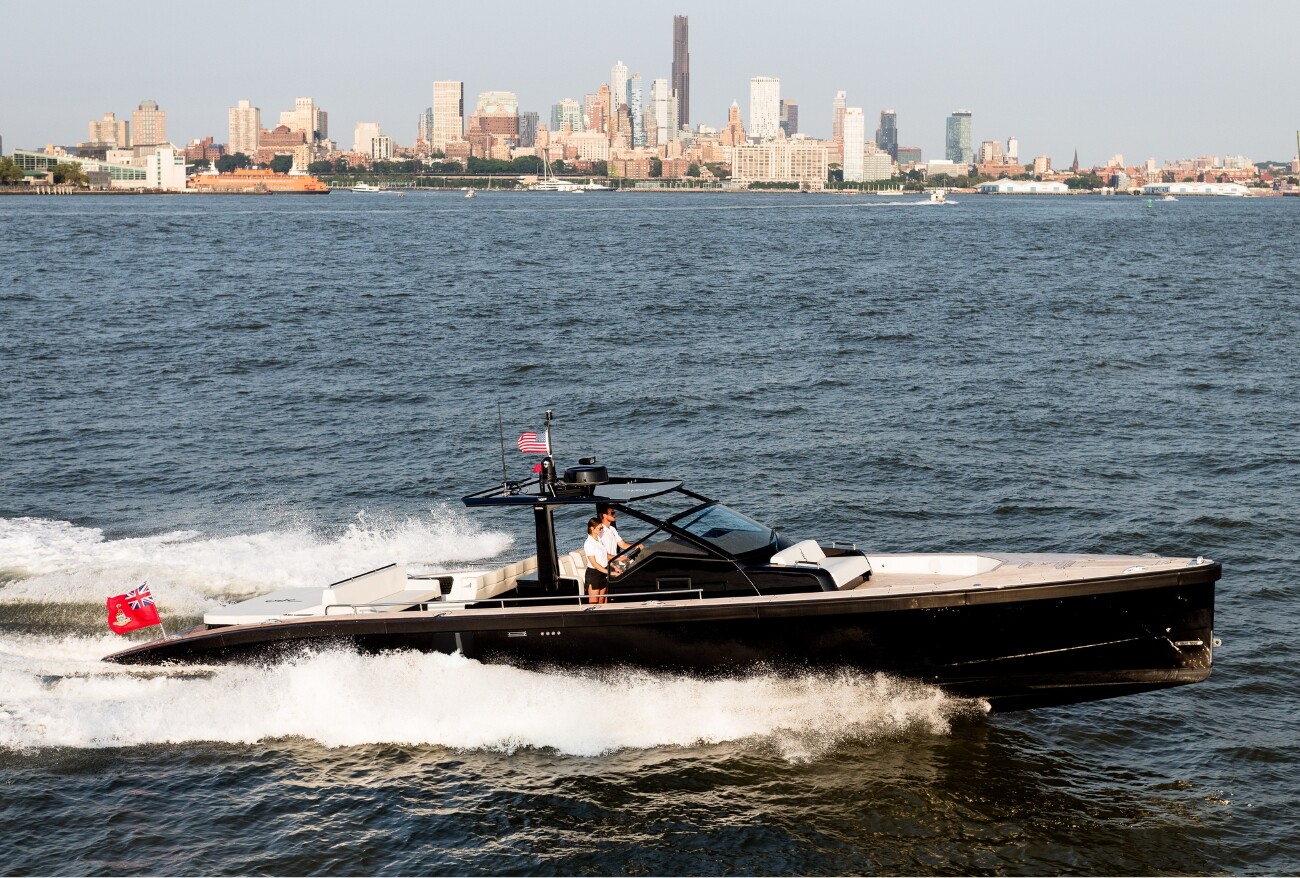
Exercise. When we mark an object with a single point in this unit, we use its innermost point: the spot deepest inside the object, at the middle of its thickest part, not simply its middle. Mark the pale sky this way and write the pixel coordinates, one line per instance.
(1165, 79)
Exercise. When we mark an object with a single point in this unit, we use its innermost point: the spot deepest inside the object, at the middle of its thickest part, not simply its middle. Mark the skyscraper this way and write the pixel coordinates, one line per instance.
(149, 124)
(448, 113)
(424, 125)
(566, 112)
(887, 133)
(528, 124)
(682, 70)
(764, 107)
(957, 143)
(245, 128)
(634, 108)
(837, 120)
(790, 117)
(618, 86)
(661, 106)
(855, 140)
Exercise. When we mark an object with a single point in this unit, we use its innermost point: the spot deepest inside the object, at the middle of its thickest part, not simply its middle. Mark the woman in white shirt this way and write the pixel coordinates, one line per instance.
(597, 575)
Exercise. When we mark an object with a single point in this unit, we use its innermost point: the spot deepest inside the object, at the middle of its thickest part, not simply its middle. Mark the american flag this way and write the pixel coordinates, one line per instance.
(530, 443)
(139, 597)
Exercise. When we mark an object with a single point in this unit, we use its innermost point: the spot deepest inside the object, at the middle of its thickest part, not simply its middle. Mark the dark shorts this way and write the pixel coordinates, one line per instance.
(596, 579)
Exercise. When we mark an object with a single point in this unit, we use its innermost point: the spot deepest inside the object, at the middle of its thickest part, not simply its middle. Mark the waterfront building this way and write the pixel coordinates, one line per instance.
(363, 134)
(245, 127)
(855, 129)
(957, 143)
(149, 123)
(1190, 188)
(162, 169)
(634, 110)
(567, 112)
(887, 133)
(802, 161)
(306, 116)
(1024, 187)
(448, 113)
(909, 155)
(109, 132)
(877, 165)
(1013, 149)
(681, 86)
(1042, 165)
(790, 117)
(764, 107)
(936, 167)
(837, 121)
(528, 124)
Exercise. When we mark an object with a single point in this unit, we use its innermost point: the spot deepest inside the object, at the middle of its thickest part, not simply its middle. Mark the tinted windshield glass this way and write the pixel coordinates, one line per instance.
(728, 530)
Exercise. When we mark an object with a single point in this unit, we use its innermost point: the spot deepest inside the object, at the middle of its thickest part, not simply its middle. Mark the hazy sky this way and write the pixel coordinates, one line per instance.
(1155, 78)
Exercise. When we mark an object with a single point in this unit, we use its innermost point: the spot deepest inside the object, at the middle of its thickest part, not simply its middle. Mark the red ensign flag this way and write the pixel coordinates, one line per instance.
(135, 609)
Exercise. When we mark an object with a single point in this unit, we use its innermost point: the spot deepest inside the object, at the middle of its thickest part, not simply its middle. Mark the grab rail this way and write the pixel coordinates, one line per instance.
(425, 606)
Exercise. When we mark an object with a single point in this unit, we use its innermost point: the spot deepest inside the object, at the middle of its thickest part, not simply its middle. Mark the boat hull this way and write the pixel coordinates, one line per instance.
(1021, 647)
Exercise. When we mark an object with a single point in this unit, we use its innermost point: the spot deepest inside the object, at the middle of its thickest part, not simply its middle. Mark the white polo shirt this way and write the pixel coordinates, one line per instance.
(610, 539)
(594, 551)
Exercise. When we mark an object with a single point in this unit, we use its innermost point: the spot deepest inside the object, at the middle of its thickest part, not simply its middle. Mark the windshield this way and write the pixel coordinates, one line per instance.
(727, 529)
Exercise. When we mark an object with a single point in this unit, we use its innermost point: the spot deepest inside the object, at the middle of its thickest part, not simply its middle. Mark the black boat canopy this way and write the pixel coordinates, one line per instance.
(616, 490)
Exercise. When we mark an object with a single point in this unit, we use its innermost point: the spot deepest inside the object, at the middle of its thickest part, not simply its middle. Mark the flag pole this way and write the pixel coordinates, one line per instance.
(501, 433)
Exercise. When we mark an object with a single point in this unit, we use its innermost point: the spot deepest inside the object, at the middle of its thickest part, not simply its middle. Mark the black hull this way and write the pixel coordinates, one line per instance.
(1021, 647)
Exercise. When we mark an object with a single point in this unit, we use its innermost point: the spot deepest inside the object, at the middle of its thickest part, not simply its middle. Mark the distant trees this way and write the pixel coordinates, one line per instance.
(693, 170)
(9, 171)
(70, 173)
(1084, 181)
(324, 166)
(656, 166)
(228, 163)
(282, 164)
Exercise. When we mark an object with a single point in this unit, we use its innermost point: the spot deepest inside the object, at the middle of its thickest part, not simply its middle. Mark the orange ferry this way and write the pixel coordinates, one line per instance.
(258, 181)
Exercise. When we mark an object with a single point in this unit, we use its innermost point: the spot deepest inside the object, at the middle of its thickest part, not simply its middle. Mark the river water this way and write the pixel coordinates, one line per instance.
(222, 396)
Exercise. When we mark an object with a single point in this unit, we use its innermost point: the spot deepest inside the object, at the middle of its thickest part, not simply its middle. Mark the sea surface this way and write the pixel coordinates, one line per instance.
(223, 396)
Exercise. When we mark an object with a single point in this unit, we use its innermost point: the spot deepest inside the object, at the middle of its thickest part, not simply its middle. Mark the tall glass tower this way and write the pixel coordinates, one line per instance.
(957, 145)
(682, 70)
(634, 107)
(887, 133)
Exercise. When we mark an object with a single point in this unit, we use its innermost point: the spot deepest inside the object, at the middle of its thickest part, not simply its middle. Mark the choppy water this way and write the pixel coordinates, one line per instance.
(224, 396)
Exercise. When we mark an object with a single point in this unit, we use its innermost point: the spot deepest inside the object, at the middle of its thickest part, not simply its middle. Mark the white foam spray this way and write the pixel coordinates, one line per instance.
(58, 694)
(55, 562)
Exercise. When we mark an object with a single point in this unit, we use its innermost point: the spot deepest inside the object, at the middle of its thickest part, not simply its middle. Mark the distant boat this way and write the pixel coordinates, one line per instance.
(469, 193)
(938, 197)
(1169, 198)
(552, 183)
(366, 187)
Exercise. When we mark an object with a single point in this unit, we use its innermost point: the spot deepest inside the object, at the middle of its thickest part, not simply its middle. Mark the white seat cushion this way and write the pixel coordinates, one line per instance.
(808, 550)
(845, 568)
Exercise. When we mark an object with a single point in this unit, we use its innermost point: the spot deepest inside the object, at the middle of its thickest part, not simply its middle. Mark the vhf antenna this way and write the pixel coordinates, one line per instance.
(501, 432)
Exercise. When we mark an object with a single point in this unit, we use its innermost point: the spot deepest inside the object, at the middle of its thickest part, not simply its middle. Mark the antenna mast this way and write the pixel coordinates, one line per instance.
(501, 432)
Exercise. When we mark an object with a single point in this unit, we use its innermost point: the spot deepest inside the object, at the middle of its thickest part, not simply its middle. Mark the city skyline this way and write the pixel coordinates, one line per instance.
(1185, 91)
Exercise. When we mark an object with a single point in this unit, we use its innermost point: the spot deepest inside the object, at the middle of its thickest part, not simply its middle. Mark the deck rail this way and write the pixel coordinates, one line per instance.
(579, 599)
